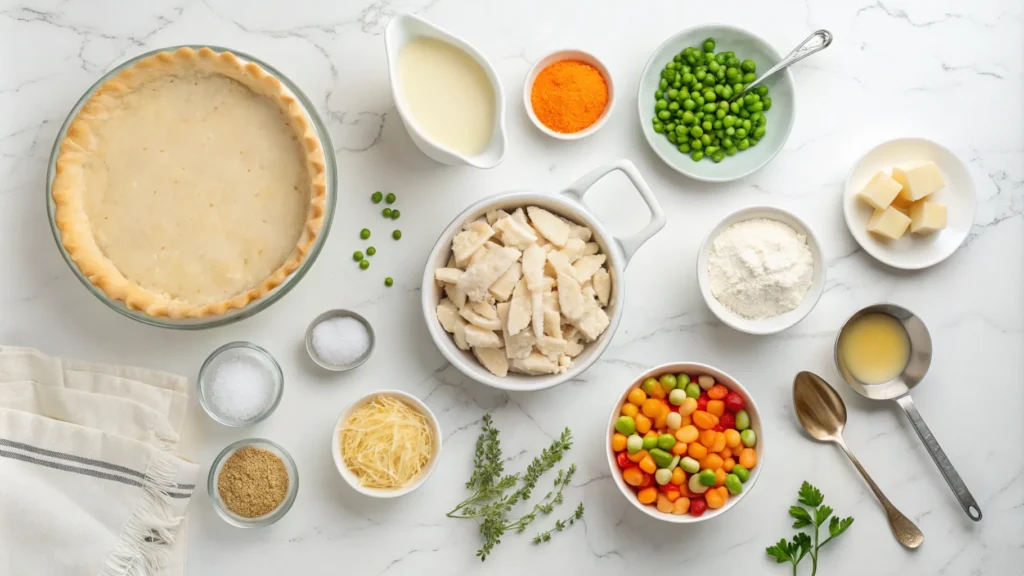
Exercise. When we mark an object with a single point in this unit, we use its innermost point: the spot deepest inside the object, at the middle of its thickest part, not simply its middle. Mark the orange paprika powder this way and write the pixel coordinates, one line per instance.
(569, 96)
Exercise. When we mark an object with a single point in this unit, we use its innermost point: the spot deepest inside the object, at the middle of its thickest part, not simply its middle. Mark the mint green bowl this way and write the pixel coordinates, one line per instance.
(746, 45)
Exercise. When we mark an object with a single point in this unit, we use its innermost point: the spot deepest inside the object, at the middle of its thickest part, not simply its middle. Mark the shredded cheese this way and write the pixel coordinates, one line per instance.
(386, 443)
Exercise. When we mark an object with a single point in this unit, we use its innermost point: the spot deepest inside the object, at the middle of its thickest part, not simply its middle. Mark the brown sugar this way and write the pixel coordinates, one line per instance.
(253, 482)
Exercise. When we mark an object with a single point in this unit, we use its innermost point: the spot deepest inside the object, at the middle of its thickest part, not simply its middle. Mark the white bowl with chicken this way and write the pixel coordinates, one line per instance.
(524, 290)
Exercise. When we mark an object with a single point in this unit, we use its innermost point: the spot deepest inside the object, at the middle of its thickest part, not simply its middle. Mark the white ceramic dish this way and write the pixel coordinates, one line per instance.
(569, 204)
(405, 28)
(912, 252)
(351, 478)
(746, 45)
(692, 369)
(776, 323)
(559, 56)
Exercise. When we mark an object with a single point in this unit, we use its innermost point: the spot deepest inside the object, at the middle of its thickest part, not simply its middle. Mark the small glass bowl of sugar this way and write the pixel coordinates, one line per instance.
(339, 340)
(240, 384)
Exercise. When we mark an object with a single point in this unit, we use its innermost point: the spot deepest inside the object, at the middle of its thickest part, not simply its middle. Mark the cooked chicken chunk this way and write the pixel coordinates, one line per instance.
(515, 234)
(533, 266)
(521, 312)
(550, 226)
(470, 240)
(460, 333)
(559, 263)
(517, 346)
(448, 275)
(493, 359)
(593, 323)
(481, 337)
(586, 266)
(591, 248)
(602, 285)
(502, 287)
(495, 215)
(471, 314)
(570, 298)
(535, 364)
(581, 232)
(573, 249)
(447, 313)
(480, 276)
(458, 297)
(551, 347)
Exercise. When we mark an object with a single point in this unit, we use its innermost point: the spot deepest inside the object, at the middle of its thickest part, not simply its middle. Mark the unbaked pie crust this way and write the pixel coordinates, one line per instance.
(190, 184)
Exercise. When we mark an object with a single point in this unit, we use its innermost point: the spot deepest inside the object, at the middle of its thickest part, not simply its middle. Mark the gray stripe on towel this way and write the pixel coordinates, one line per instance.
(84, 471)
(81, 460)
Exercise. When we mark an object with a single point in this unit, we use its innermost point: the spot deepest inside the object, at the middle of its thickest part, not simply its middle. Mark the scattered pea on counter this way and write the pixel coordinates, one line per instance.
(397, 234)
(371, 251)
(364, 233)
(376, 197)
(390, 198)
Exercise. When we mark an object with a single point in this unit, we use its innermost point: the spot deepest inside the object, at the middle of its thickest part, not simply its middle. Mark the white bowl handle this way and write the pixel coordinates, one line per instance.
(630, 244)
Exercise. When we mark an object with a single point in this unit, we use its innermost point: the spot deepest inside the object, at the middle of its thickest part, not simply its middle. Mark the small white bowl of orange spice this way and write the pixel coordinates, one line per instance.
(569, 94)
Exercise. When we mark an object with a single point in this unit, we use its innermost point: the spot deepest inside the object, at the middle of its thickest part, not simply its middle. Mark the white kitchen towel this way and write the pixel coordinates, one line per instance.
(89, 484)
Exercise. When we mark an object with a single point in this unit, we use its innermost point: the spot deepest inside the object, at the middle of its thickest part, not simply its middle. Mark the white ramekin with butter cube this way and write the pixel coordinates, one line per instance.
(909, 185)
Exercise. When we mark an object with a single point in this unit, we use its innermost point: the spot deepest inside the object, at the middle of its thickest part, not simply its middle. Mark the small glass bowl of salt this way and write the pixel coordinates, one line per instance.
(339, 340)
(240, 384)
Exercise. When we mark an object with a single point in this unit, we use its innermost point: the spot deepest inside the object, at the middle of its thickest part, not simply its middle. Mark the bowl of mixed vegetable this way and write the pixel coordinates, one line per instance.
(691, 111)
(685, 443)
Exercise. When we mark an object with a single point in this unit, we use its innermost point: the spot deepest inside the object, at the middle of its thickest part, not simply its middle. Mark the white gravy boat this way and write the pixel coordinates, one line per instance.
(405, 28)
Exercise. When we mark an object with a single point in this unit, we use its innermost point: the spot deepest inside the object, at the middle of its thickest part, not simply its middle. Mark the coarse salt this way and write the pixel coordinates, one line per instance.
(340, 341)
(241, 384)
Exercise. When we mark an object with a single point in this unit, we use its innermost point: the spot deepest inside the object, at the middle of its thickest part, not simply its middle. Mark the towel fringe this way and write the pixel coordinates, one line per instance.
(144, 546)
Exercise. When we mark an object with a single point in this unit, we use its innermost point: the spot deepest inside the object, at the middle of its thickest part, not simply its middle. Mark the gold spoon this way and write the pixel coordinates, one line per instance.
(823, 415)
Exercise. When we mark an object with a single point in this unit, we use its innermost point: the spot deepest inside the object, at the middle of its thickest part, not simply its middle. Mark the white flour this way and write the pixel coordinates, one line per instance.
(760, 268)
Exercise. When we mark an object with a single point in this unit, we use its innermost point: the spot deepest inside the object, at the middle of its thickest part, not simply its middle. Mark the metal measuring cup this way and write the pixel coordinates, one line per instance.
(898, 389)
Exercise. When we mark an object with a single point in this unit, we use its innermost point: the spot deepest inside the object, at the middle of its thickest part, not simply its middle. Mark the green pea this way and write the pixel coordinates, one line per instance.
(666, 441)
(732, 61)
(705, 139)
(397, 234)
(726, 92)
(717, 89)
(743, 145)
(718, 156)
(662, 476)
(721, 58)
(678, 113)
(677, 396)
(720, 74)
(693, 390)
(650, 442)
(389, 281)
(709, 45)
(767, 101)
(625, 425)
(707, 477)
(672, 137)
(668, 382)
(660, 457)
(395, 214)
(659, 128)
(671, 65)
(357, 256)
(386, 212)
(741, 133)
(714, 66)
(672, 94)
(730, 131)
(699, 100)
(634, 443)
(364, 233)
(731, 151)
(390, 198)
(668, 74)
(649, 386)
(376, 197)
(664, 114)
(748, 66)
(689, 465)
(748, 437)
(680, 130)
(696, 131)
(685, 149)
(749, 77)
(688, 78)
(707, 125)
(658, 95)
(732, 74)
(749, 99)
(688, 117)
(677, 58)
(732, 484)
(696, 144)
(671, 127)
(660, 105)
(710, 150)
(759, 132)
(685, 69)
(742, 417)
(709, 108)
(697, 155)
(683, 380)
(677, 85)
(663, 84)
(364, 264)
(753, 141)
(744, 114)
(741, 472)
(371, 251)
(710, 96)
(673, 106)
(761, 91)
(689, 104)
(701, 74)
(762, 120)
(747, 124)
(756, 107)
(699, 115)
(719, 114)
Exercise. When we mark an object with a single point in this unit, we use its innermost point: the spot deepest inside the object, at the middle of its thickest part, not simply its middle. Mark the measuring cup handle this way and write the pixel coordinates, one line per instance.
(967, 501)
(630, 244)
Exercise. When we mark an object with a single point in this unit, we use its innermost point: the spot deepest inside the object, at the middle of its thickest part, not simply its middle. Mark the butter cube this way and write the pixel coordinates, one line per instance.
(880, 191)
(889, 223)
(927, 217)
(918, 180)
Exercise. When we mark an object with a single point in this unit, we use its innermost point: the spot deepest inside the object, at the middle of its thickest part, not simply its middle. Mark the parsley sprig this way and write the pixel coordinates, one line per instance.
(794, 551)
(491, 501)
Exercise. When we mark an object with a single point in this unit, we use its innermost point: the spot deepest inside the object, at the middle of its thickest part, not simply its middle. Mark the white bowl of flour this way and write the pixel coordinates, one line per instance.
(761, 270)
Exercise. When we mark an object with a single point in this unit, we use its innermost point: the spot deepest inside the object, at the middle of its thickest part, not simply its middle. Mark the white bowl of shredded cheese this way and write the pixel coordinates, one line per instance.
(386, 444)
(761, 270)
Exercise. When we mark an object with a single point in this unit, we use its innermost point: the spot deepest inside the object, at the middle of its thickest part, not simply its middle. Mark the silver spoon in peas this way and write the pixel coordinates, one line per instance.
(816, 42)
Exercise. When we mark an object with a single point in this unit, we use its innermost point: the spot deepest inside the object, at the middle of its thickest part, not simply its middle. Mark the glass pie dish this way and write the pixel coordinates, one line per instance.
(233, 314)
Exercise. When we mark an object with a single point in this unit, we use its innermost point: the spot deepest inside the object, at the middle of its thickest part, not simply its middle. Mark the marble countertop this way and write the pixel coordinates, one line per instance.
(946, 70)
